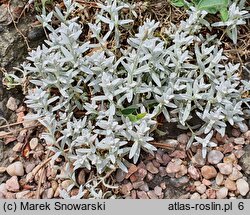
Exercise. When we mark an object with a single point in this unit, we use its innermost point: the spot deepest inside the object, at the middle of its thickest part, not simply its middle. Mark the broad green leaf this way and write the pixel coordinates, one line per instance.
(196, 1)
(132, 118)
(140, 115)
(224, 14)
(212, 6)
(177, 3)
(129, 110)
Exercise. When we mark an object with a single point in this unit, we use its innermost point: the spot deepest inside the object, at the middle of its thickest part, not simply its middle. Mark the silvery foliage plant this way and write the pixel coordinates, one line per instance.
(98, 108)
(237, 16)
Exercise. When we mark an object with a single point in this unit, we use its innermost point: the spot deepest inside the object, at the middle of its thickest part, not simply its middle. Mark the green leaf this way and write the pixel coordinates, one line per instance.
(177, 3)
(129, 110)
(212, 3)
(196, 1)
(140, 115)
(224, 14)
(132, 118)
(212, 6)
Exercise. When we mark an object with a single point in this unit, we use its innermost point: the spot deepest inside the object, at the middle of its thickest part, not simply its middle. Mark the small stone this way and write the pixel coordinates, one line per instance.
(235, 175)
(166, 159)
(158, 158)
(193, 172)
(237, 147)
(3, 189)
(142, 195)
(137, 184)
(144, 187)
(174, 166)
(197, 159)
(215, 156)
(225, 168)
(201, 189)
(211, 194)
(2, 196)
(208, 172)
(152, 195)
(185, 196)
(29, 177)
(158, 191)
(2, 169)
(243, 127)
(151, 168)
(222, 193)
(160, 152)
(57, 192)
(133, 178)
(50, 193)
(22, 135)
(132, 169)
(195, 196)
(182, 172)
(11, 104)
(230, 185)
(230, 159)
(239, 140)
(23, 194)
(162, 171)
(126, 188)
(141, 165)
(10, 195)
(204, 196)
(179, 182)
(17, 147)
(54, 185)
(239, 153)
(183, 139)
(133, 194)
(156, 164)
(9, 140)
(245, 161)
(20, 117)
(236, 132)
(219, 179)
(178, 154)
(197, 183)
(171, 143)
(33, 143)
(141, 173)
(15, 169)
(218, 137)
(227, 148)
(81, 177)
(163, 185)
(51, 173)
(28, 123)
(29, 167)
(13, 158)
(65, 184)
(149, 157)
(242, 186)
(12, 184)
(149, 177)
(21, 109)
(206, 182)
(247, 135)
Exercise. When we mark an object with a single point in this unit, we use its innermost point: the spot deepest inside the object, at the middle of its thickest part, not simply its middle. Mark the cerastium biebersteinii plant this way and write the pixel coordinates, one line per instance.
(99, 109)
